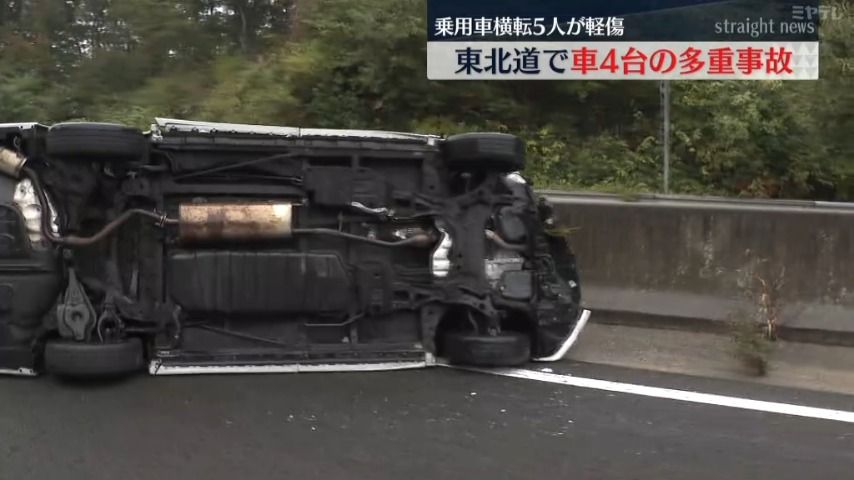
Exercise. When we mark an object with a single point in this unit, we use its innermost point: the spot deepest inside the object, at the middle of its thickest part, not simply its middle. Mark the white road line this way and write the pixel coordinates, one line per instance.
(682, 395)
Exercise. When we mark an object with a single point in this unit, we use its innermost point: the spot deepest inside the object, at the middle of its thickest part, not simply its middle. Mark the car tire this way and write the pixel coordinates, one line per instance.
(503, 350)
(485, 151)
(66, 358)
(96, 140)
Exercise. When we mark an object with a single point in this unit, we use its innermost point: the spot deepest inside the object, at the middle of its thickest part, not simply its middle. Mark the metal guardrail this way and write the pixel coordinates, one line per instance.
(692, 201)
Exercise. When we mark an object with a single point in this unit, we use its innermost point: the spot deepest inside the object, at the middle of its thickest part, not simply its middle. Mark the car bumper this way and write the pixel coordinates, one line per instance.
(569, 341)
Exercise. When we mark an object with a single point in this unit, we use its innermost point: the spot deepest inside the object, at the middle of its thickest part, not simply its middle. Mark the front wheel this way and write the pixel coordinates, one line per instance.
(67, 358)
(505, 349)
(496, 152)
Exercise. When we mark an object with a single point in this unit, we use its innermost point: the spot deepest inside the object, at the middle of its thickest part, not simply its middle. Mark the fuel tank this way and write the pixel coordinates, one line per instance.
(259, 282)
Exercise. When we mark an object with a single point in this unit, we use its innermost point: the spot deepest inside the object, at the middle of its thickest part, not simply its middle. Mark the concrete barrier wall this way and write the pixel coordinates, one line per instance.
(696, 258)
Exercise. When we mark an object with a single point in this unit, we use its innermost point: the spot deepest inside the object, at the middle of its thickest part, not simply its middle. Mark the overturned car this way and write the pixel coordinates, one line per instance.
(203, 247)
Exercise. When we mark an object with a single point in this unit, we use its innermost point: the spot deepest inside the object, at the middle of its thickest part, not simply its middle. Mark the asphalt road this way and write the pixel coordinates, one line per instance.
(431, 424)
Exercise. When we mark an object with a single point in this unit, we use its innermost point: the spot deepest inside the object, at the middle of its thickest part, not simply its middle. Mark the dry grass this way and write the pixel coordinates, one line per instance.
(755, 331)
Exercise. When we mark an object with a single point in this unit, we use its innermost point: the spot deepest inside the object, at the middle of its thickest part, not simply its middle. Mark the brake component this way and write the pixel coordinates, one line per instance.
(75, 312)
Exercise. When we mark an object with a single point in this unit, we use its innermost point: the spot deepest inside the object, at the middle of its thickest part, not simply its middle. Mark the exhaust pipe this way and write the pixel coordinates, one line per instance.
(213, 222)
(217, 222)
(11, 163)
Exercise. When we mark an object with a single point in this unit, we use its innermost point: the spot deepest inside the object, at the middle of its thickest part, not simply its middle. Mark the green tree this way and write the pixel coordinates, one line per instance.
(361, 64)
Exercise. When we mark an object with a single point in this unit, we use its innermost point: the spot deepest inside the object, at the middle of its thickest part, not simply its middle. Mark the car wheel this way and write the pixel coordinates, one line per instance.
(100, 140)
(66, 358)
(485, 151)
(502, 350)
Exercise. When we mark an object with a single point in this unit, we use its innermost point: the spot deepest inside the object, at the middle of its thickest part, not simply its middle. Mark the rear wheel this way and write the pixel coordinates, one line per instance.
(66, 358)
(502, 350)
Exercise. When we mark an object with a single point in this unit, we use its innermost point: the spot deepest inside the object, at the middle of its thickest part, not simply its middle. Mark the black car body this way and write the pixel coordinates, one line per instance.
(202, 247)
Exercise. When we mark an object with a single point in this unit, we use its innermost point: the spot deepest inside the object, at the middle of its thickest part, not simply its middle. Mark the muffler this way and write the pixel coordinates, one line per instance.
(212, 222)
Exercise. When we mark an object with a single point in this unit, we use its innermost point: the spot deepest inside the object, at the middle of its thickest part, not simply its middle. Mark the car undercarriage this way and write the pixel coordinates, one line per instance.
(200, 247)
